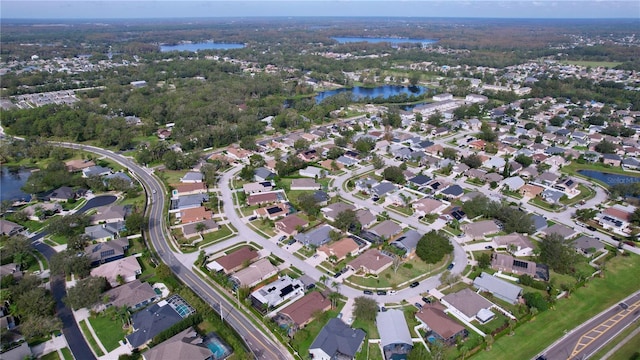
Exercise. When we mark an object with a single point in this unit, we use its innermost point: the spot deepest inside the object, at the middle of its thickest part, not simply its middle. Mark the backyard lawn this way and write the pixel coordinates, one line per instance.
(532, 337)
(109, 331)
(303, 338)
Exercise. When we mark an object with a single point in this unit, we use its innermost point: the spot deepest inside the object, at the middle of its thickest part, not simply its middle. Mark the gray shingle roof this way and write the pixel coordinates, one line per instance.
(393, 328)
(337, 338)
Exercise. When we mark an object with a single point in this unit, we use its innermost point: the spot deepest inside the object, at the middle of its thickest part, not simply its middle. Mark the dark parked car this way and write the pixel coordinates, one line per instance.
(368, 292)
(426, 300)
(414, 284)
(418, 305)
(450, 266)
(381, 292)
(591, 228)
(252, 218)
(488, 247)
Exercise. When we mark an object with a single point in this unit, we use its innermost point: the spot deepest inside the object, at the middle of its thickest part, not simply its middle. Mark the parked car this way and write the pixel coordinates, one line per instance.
(426, 300)
(252, 218)
(381, 292)
(450, 266)
(591, 228)
(488, 247)
(282, 238)
(368, 292)
(414, 284)
(391, 292)
(418, 305)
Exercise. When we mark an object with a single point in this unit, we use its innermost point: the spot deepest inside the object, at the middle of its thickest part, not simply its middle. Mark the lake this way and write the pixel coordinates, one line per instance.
(375, 40)
(609, 178)
(193, 47)
(384, 92)
(11, 180)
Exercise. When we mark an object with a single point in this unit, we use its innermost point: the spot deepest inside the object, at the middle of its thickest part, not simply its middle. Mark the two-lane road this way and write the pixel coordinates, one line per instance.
(260, 345)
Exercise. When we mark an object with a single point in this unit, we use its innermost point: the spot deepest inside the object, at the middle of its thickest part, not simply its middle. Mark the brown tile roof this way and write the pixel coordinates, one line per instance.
(302, 310)
(290, 224)
(438, 321)
(618, 214)
(340, 248)
(235, 259)
(195, 214)
(190, 187)
(371, 260)
(261, 198)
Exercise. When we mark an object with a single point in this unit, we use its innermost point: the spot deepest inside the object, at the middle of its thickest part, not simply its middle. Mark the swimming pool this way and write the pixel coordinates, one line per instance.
(431, 339)
(219, 349)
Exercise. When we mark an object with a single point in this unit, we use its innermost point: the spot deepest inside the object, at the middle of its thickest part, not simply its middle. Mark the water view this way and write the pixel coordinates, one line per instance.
(375, 40)
(193, 47)
(609, 178)
(11, 180)
(384, 92)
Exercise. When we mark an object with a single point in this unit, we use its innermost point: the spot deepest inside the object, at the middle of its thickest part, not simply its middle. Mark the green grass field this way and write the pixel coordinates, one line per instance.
(629, 350)
(600, 293)
(90, 339)
(67, 353)
(51, 356)
(109, 331)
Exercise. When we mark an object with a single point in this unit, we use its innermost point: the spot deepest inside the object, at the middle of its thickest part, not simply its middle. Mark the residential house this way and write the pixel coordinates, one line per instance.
(122, 270)
(539, 222)
(253, 274)
(156, 318)
(480, 229)
(104, 252)
(336, 340)
(313, 172)
(305, 184)
(104, 232)
(340, 249)
(440, 325)
(276, 292)
(551, 196)
(382, 188)
(316, 237)
(587, 245)
(134, 295)
(371, 261)
(547, 178)
(186, 344)
(40, 211)
(233, 261)
(468, 305)
(332, 211)
(509, 264)
(120, 176)
(263, 174)
(513, 183)
(321, 197)
(631, 163)
(272, 212)
(95, 171)
(500, 288)
(290, 224)
(419, 181)
(427, 205)
(530, 191)
(109, 214)
(395, 338)
(78, 164)
(364, 185)
(408, 242)
(387, 229)
(238, 154)
(365, 217)
(401, 197)
(192, 215)
(611, 159)
(568, 186)
(188, 201)
(12, 269)
(257, 187)
(192, 177)
(63, 193)
(517, 244)
(308, 155)
(562, 230)
(453, 191)
(302, 311)
(491, 177)
(346, 161)
(10, 228)
(191, 229)
(263, 198)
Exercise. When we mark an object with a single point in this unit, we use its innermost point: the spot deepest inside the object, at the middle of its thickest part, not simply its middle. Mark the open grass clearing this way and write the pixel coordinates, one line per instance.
(600, 293)
(109, 331)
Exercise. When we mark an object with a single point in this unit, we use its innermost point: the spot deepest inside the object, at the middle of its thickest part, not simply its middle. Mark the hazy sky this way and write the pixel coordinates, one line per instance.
(102, 9)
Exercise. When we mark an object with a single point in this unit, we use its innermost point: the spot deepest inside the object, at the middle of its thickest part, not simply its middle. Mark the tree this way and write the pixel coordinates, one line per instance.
(523, 160)
(246, 173)
(419, 352)
(68, 262)
(309, 204)
(86, 292)
(484, 261)
(586, 214)
(535, 300)
(397, 262)
(433, 246)
(606, 147)
(348, 221)
(473, 161)
(377, 162)
(414, 78)
(201, 227)
(512, 326)
(488, 340)
(256, 161)
(301, 144)
(335, 152)
(39, 326)
(334, 297)
(135, 222)
(449, 153)
(34, 302)
(558, 253)
(435, 119)
(449, 278)
(365, 308)
(77, 242)
(364, 145)
(323, 279)
(393, 174)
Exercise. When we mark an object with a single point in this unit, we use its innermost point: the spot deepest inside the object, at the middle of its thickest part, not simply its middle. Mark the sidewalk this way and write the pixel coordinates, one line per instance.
(55, 344)
(83, 314)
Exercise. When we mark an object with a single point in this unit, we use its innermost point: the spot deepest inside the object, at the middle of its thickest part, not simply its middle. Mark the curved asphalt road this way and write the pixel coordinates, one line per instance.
(260, 344)
(70, 329)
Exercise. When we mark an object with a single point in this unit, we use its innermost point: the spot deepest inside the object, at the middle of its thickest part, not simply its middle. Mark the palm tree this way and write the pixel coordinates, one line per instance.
(201, 227)
(334, 296)
(323, 279)
(336, 285)
(489, 341)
